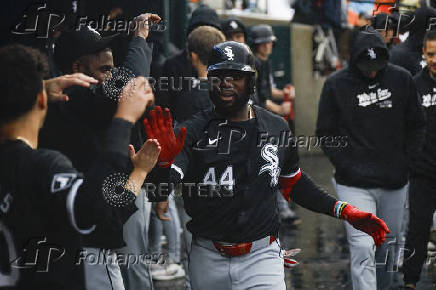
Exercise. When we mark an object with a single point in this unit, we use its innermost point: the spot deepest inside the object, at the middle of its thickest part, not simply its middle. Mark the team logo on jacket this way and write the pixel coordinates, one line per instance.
(374, 97)
(429, 100)
(229, 52)
(269, 154)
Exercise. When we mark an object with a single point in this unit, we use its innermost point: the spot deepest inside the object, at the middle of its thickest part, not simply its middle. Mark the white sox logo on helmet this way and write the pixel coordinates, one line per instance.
(269, 154)
(229, 53)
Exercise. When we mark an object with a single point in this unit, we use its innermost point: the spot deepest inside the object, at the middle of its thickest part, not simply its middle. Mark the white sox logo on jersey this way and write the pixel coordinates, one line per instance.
(229, 53)
(269, 154)
(429, 100)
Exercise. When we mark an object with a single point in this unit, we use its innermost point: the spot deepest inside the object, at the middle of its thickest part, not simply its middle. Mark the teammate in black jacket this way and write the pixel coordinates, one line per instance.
(76, 128)
(45, 204)
(422, 197)
(375, 105)
(231, 167)
(409, 53)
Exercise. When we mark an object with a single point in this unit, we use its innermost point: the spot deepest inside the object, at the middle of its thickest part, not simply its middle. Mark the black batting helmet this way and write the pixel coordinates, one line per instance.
(231, 55)
(262, 33)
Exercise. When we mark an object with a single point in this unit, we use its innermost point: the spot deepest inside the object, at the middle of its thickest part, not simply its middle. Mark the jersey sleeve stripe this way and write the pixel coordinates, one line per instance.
(70, 208)
(292, 174)
(178, 169)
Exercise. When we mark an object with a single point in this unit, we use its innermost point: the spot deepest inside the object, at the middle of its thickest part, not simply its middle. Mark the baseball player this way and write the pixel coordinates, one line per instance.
(234, 29)
(231, 168)
(422, 198)
(375, 105)
(45, 204)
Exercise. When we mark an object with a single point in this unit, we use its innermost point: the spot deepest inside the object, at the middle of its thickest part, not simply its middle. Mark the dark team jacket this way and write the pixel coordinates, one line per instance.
(45, 205)
(188, 103)
(178, 69)
(230, 171)
(381, 119)
(425, 164)
(263, 82)
(77, 129)
(408, 56)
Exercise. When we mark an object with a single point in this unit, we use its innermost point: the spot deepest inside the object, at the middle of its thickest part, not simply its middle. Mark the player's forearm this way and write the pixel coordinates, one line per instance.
(135, 181)
(270, 105)
(118, 137)
(277, 94)
(307, 194)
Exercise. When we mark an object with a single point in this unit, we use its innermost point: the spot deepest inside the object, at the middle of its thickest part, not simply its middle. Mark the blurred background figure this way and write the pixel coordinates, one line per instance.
(234, 29)
(408, 54)
(363, 19)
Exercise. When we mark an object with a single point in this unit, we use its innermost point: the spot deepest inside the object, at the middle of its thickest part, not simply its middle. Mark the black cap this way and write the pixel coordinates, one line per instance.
(203, 15)
(231, 55)
(232, 25)
(262, 33)
(372, 59)
(76, 43)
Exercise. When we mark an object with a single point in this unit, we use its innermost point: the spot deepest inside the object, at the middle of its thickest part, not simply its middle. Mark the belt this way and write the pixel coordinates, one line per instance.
(234, 250)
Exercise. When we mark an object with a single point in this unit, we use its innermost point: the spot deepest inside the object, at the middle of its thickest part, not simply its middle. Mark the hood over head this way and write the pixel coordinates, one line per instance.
(203, 15)
(368, 51)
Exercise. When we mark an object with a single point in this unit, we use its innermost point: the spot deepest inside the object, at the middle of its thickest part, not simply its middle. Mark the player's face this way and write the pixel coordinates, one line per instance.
(265, 49)
(98, 66)
(238, 37)
(370, 74)
(232, 86)
(429, 51)
(387, 35)
(229, 93)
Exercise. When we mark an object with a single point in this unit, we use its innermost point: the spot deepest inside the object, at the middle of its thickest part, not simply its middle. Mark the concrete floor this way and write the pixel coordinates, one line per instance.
(324, 258)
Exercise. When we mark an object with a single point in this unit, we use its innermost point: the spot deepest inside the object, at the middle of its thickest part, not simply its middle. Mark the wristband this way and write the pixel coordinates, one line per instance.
(338, 208)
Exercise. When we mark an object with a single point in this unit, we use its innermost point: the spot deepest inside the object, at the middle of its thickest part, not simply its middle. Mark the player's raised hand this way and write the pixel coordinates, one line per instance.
(135, 97)
(366, 222)
(145, 159)
(55, 87)
(143, 22)
(160, 126)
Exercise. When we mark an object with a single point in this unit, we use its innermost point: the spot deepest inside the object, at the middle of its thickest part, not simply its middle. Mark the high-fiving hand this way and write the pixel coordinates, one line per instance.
(160, 126)
(55, 87)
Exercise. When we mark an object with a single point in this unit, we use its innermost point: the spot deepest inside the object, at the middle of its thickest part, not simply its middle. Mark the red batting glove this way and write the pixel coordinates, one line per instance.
(160, 126)
(366, 222)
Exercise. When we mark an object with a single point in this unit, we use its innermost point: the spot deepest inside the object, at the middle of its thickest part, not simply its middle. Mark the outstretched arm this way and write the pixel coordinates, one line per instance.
(307, 194)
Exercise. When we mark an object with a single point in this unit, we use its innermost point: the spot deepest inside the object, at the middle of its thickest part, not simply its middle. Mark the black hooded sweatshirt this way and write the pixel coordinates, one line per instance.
(408, 54)
(381, 120)
(425, 163)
